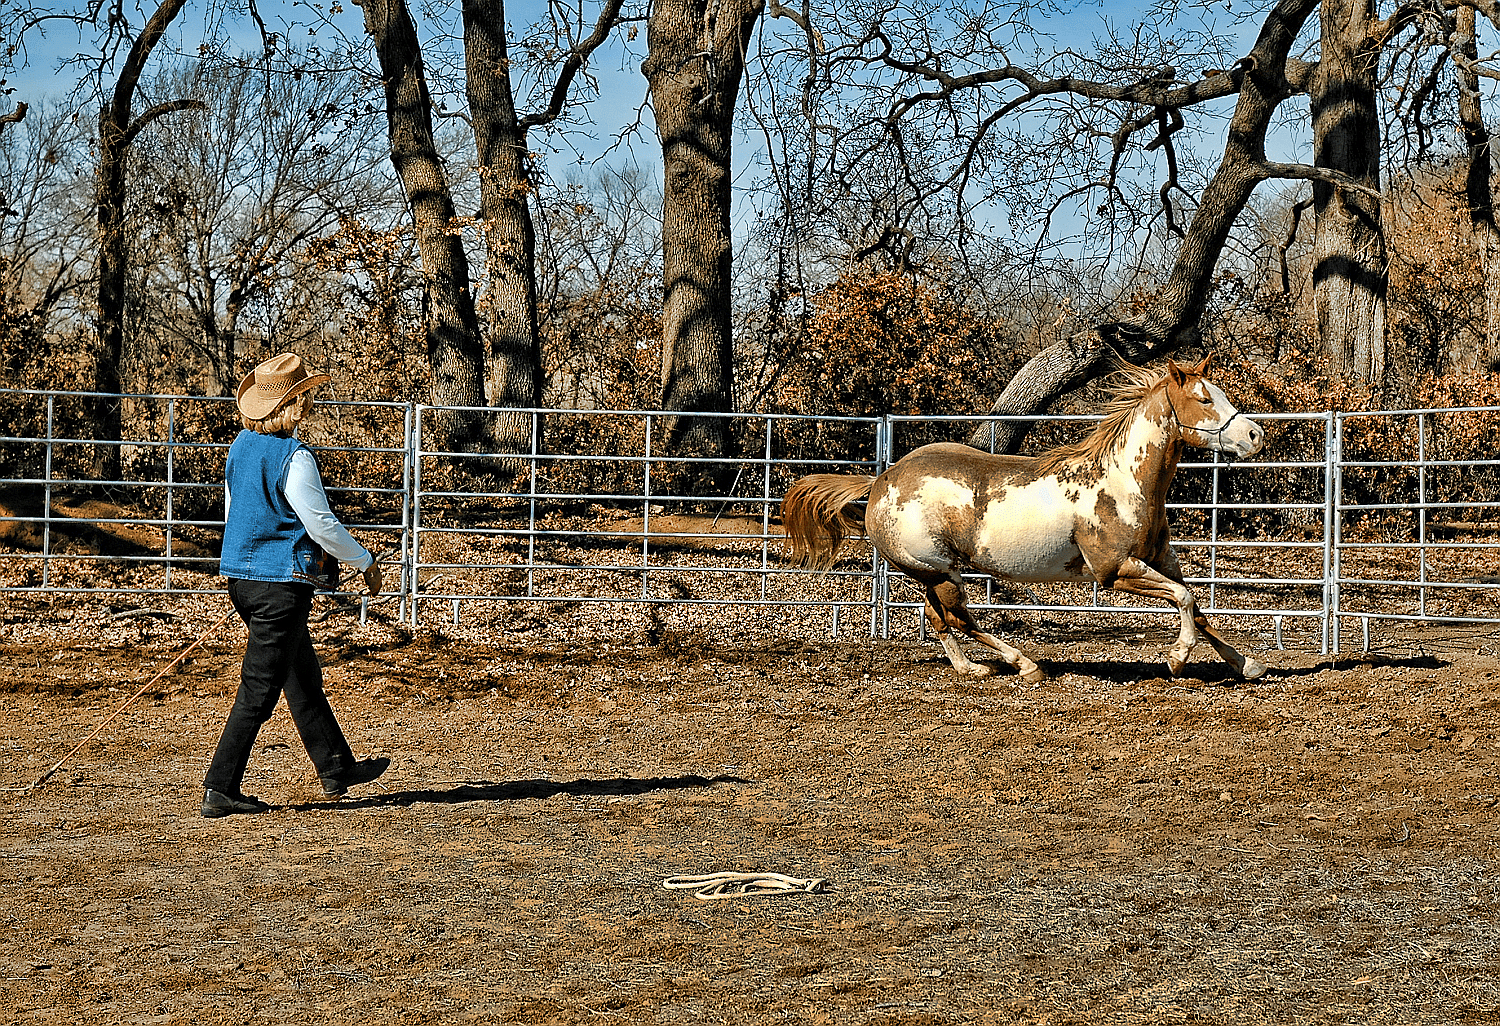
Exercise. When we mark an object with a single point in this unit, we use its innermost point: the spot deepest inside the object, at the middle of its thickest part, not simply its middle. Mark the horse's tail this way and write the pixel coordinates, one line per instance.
(818, 512)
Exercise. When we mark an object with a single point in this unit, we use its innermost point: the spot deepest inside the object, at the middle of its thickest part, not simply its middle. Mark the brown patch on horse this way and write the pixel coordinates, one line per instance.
(955, 525)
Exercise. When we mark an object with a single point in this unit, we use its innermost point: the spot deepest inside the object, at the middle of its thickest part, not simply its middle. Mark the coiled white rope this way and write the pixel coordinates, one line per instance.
(740, 885)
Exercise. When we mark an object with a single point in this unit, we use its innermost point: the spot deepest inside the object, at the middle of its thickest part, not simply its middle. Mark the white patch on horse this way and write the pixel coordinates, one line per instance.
(1025, 533)
(1121, 479)
(939, 492)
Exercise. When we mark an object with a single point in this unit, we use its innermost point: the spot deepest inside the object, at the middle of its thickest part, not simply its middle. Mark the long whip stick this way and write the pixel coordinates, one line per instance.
(143, 689)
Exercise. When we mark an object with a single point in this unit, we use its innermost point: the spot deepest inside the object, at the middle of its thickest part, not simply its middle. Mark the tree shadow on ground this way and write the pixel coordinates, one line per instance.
(520, 790)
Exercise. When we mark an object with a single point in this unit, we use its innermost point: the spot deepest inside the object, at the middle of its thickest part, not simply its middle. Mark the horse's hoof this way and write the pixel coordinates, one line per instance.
(1034, 675)
(977, 670)
(1175, 665)
(1252, 669)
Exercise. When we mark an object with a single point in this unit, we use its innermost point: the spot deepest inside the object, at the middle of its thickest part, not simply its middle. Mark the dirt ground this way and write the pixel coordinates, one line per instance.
(1111, 846)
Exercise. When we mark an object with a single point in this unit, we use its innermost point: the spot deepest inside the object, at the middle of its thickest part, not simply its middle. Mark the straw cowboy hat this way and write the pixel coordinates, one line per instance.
(274, 382)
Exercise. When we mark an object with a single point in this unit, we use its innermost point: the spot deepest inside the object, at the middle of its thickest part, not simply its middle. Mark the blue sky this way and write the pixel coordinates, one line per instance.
(624, 88)
(42, 77)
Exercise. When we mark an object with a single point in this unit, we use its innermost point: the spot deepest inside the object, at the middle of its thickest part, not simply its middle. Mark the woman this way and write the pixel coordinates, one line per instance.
(281, 541)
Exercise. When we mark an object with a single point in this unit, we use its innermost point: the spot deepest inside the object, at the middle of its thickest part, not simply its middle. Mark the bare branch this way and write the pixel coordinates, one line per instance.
(578, 55)
(160, 110)
(1404, 16)
(1298, 209)
(1310, 173)
(1151, 91)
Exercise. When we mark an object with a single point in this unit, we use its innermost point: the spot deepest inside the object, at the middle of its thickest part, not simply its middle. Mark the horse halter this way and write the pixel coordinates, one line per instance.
(1217, 432)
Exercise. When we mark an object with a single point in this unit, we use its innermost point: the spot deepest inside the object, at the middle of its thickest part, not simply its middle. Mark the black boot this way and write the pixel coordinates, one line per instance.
(216, 804)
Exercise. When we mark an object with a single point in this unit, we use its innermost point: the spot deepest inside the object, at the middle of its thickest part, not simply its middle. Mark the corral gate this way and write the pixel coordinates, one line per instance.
(1346, 520)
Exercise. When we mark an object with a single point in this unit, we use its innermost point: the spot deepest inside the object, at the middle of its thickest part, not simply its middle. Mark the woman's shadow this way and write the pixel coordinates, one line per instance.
(520, 790)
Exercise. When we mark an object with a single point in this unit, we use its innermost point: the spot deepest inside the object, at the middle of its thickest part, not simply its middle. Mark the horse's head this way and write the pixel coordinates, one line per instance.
(1206, 416)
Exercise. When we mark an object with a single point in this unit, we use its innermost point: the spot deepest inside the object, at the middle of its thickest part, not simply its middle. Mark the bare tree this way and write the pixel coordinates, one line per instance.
(1478, 172)
(463, 362)
(118, 127)
(959, 75)
(46, 261)
(1349, 257)
(507, 189)
(455, 349)
(696, 58)
(1150, 102)
(1173, 320)
(232, 197)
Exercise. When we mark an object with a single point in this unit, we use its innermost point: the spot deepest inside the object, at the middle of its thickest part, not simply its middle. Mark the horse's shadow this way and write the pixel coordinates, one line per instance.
(1216, 674)
(1133, 670)
(519, 790)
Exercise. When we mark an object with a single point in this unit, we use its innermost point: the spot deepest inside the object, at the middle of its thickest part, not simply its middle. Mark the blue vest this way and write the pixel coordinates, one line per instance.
(263, 539)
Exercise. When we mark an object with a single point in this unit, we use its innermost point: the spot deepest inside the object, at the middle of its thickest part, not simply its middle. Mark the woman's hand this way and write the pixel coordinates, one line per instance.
(373, 580)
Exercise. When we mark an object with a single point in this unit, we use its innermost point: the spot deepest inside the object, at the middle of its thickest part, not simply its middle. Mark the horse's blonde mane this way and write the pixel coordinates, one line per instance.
(1129, 387)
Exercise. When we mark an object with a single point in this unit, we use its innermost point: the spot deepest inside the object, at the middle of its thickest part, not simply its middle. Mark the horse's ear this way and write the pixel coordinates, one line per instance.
(1202, 369)
(1175, 372)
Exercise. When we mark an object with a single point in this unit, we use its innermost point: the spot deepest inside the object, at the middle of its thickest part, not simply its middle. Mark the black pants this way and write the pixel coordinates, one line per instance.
(279, 658)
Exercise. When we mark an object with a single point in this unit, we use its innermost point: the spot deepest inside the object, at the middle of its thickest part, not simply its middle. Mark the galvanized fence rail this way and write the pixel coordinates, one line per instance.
(623, 522)
(1348, 520)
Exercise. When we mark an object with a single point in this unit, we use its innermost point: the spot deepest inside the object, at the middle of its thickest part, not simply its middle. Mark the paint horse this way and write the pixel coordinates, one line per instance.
(1094, 510)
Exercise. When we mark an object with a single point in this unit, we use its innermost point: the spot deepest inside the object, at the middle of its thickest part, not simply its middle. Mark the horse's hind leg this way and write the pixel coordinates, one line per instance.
(947, 607)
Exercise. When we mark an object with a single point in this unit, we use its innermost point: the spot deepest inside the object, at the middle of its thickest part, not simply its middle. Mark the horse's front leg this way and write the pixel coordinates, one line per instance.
(1246, 666)
(1138, 577)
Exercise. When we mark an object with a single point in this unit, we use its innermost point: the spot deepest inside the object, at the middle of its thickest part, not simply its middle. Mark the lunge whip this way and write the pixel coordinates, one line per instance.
(143, 689)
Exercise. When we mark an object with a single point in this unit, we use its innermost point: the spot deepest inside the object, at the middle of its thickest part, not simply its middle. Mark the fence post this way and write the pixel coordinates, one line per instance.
(1213, 533)
(880, 578)
(765, 520)
(47, 495)
(1333, 490)
(414, 450)
(171, 479)
(1421, 515)
(646, 511)
(404, 544)
(533, 479)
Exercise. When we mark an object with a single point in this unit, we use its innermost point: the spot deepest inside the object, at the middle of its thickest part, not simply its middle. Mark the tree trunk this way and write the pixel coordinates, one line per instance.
(695, 63)
(513, 366)
(1173, 320)
(1349, 260)
(114, 266)
(1478, 182)
(117, 130)
(454, 348)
